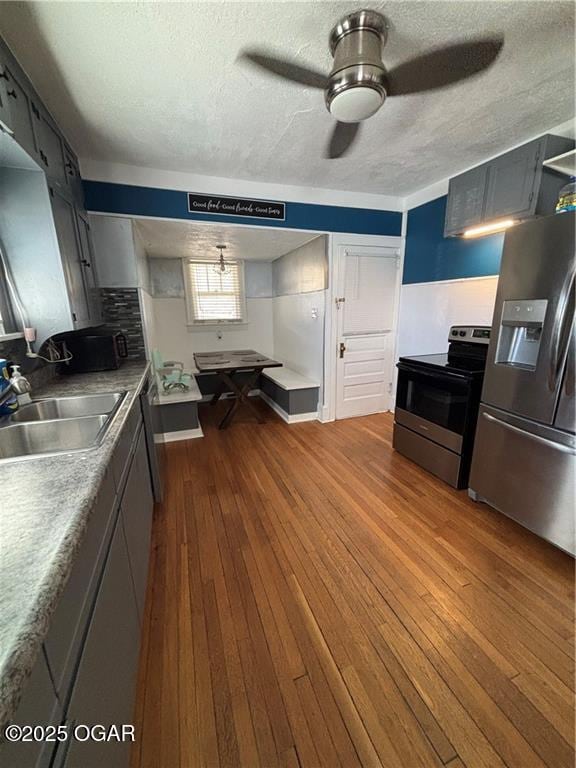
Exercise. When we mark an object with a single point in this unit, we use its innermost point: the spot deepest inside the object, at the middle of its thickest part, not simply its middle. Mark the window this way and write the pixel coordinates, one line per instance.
(213, 297)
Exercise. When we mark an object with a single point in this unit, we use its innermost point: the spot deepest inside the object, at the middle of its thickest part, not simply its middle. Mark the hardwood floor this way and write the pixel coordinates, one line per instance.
(315, 599)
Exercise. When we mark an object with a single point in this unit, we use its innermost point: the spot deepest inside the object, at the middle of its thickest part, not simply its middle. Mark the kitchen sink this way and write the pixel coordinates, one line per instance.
(68, 407)
(20, 440)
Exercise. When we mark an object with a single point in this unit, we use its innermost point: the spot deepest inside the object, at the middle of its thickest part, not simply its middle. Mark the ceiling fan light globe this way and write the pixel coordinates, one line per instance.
(355, 104)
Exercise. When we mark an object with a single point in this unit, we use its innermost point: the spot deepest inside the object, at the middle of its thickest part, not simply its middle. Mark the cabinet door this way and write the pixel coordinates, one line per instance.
(137, 510)
(69, 622)
(512, 181)
(38, 706)
(74, 179)
(105, 685)
(65, 222)
(5, 119)
(465, 205)
(20, 108)
(50, 149)
(89, 268)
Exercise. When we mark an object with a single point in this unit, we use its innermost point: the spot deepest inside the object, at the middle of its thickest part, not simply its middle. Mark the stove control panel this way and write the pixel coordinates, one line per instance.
(473, 334)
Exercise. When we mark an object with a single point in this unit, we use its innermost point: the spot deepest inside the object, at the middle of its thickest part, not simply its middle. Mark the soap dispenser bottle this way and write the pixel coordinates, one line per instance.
(20, 385)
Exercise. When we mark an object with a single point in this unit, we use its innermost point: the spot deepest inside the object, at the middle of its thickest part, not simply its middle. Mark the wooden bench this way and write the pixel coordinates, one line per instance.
(179, 413)
(293, 396)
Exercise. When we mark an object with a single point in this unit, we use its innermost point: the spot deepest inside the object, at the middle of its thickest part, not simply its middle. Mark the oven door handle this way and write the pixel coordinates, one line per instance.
(429, 374)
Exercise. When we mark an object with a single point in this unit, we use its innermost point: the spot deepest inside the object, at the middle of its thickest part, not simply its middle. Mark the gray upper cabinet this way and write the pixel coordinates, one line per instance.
(512, 182)
(74, 180)
(68, 241)
(20, 109)
(89, 268)
(24, 116)
(5, 119)
(50, 148)
(515, 184)
(465, 206)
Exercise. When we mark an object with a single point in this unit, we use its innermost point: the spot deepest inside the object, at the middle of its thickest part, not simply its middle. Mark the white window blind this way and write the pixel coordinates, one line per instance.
(214, 297)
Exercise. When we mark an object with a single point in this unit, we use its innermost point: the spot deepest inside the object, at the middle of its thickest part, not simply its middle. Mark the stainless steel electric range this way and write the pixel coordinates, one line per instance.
(437, 401)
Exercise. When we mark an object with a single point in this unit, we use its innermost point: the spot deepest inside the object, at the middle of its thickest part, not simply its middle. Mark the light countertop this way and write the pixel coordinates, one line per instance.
(45, 505)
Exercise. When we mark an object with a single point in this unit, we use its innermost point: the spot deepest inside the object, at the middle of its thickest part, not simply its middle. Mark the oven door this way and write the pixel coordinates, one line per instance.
(433, 403)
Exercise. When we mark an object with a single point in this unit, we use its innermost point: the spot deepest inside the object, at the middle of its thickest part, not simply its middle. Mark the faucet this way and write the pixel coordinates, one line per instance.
(18, 384)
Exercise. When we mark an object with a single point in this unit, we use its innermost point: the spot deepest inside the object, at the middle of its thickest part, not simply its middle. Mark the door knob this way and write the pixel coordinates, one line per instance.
(342, 349)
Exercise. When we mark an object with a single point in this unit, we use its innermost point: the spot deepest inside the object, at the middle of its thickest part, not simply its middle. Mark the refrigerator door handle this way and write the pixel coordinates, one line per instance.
(530, 435)
(561, 318)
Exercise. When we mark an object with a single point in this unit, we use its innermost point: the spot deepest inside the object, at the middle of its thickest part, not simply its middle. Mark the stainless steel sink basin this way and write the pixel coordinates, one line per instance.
(44, 437)
(68, 407)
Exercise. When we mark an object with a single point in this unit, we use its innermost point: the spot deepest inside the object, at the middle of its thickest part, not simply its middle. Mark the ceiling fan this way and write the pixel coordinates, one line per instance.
(359, 83)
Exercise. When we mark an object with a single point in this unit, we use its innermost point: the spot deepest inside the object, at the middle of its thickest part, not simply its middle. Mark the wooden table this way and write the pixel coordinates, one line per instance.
(226, 365)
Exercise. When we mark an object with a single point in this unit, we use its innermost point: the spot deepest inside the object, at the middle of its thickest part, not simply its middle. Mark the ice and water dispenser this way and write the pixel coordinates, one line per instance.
(520, 333)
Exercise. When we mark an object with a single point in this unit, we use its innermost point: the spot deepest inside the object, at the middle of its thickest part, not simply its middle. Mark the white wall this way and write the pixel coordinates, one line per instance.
(300, 280)
(149, 321)
(299, 333)
(289, 328)
(177, 341)
(142, 263)
(427, 310)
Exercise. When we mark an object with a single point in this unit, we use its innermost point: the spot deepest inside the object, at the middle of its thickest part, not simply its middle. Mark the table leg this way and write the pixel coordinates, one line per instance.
(219, 392)
(241, 397)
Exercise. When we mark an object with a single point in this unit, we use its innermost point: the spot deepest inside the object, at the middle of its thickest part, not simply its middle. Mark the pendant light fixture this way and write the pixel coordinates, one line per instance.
(221, 268)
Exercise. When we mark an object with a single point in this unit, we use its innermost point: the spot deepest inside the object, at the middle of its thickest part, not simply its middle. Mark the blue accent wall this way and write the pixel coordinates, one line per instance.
(429, 256)
(105, 197)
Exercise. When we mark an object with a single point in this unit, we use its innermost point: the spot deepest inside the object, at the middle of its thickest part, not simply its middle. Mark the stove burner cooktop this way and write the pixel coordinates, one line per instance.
(449, 363)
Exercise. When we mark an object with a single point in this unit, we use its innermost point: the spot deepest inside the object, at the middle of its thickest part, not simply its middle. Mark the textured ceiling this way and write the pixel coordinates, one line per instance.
(156, 84)
(179, 239)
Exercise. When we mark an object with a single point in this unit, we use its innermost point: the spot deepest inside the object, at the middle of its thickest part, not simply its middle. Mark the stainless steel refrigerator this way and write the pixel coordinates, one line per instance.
(524, 461)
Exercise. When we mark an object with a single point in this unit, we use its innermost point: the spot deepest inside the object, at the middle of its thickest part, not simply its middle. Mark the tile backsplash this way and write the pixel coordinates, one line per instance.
(121, 311)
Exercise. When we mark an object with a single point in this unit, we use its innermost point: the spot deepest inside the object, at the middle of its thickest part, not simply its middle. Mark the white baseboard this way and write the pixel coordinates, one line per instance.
(325, 415)
(183, 434)
(293, 418)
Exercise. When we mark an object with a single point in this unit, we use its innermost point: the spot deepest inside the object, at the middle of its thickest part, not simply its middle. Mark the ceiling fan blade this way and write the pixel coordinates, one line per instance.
(289, 70)
(341, 140)
(444, 66)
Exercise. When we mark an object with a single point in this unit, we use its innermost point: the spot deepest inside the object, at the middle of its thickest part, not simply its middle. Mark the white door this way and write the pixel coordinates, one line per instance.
(366, 303)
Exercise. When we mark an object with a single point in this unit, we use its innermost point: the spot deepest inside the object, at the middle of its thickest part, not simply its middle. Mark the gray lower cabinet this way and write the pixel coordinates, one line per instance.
(105, 685)
(38, 706)
(68, 241)
(137, 509)
(70, 620)
(86, 672)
